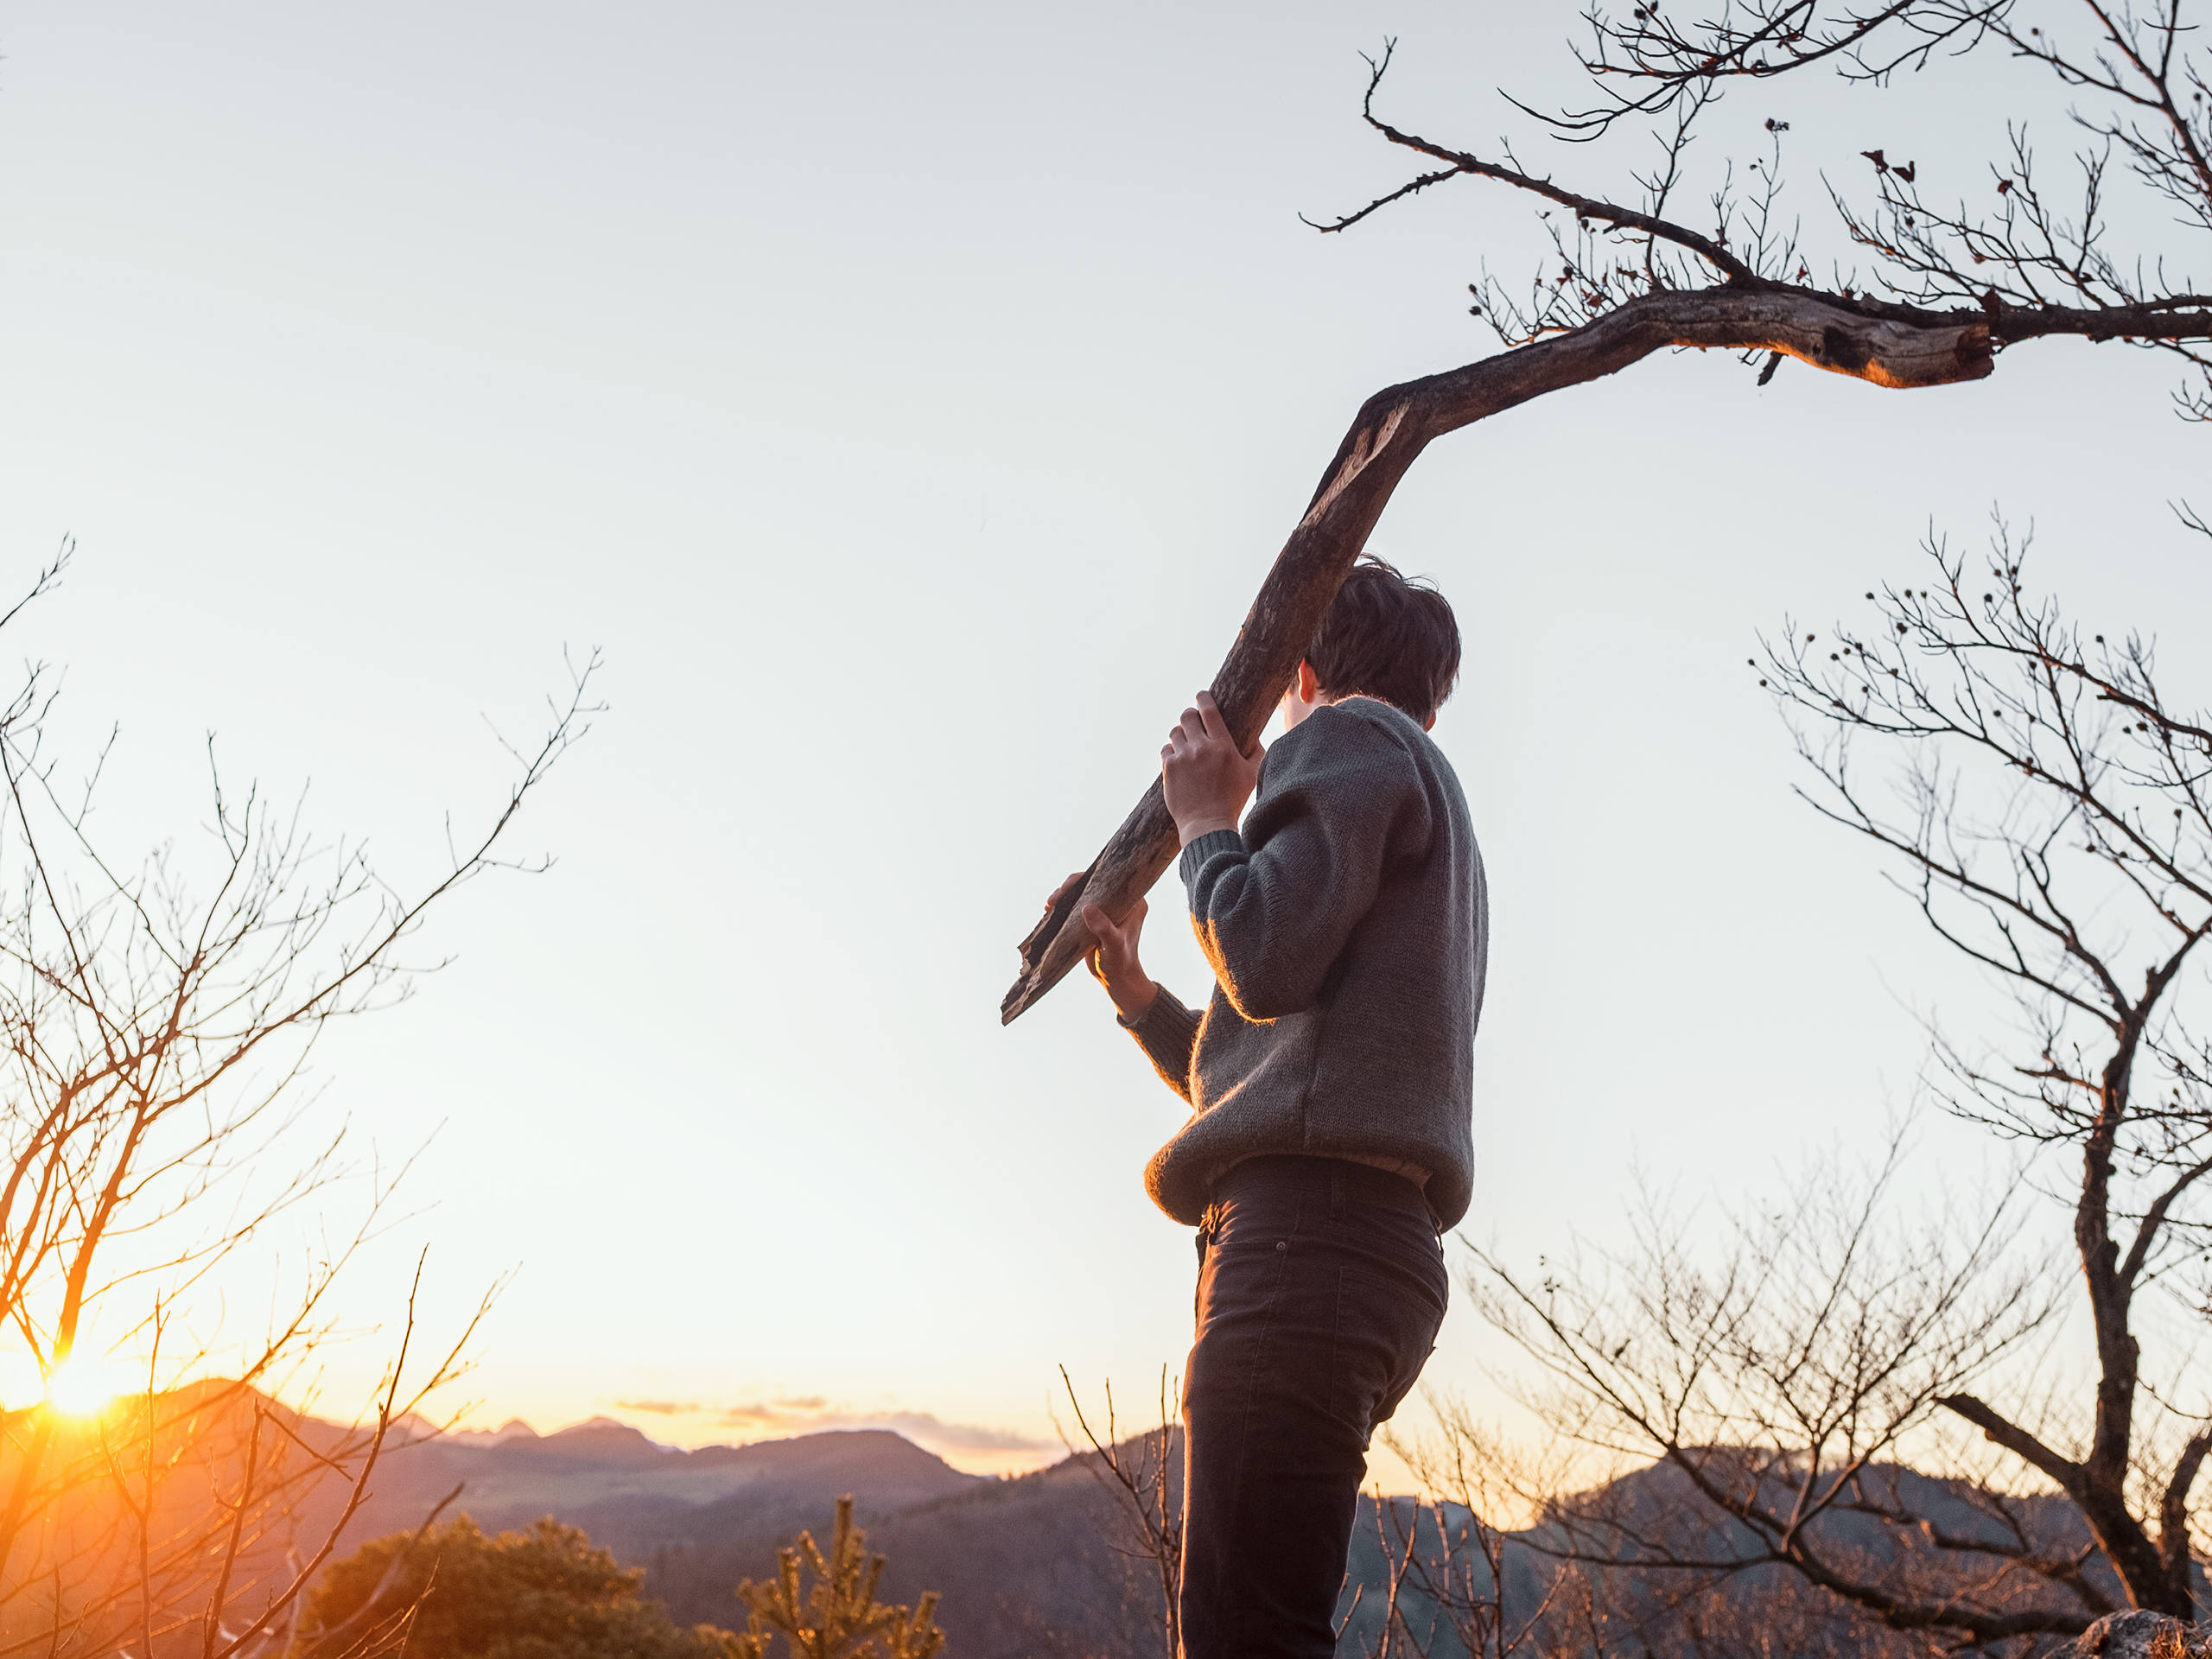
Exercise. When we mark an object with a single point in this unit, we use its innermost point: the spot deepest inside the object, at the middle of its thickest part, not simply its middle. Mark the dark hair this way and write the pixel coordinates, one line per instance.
(1389, 637)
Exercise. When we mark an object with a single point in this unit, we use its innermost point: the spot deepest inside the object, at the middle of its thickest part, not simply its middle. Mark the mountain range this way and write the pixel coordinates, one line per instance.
(1045, 1565)
(1041, 1567)
(1025, 1566)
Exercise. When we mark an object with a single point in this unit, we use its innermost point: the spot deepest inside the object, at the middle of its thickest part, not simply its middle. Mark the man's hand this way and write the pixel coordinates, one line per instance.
(1115, 963)
(1206, 779)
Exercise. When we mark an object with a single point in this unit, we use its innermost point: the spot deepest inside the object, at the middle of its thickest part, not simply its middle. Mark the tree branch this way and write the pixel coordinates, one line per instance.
(2173, 1510)
(1585, 207)
(1391, 430)
(2064, 1472)
(2153, 1224)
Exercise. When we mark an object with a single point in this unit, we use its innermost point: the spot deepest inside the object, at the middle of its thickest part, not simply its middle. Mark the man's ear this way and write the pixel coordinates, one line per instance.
(1309, 684)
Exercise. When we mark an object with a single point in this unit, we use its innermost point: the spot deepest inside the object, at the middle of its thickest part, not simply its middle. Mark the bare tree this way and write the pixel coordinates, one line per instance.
(2082, 876)
(2050, 818)
(1455, 1582)
(1915, 293)
(157, 1019)
(1446, 1573)
(1141, 1475)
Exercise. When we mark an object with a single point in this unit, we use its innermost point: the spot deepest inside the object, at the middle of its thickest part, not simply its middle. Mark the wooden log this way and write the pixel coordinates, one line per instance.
(1392, 429)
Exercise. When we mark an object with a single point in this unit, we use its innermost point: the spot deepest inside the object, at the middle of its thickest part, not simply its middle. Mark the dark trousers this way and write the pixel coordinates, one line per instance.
(1321, 1285)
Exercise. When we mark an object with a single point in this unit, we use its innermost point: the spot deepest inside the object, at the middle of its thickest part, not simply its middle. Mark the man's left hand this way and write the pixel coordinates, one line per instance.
(1206, 779)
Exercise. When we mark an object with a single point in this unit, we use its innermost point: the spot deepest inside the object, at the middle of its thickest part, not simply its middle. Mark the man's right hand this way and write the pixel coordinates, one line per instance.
(1115, 963)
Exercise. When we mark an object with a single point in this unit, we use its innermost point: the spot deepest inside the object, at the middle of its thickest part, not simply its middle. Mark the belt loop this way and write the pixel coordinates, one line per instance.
(1336, 1194)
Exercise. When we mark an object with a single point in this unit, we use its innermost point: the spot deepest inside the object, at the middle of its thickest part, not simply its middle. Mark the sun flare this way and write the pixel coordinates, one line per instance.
(82, 1386)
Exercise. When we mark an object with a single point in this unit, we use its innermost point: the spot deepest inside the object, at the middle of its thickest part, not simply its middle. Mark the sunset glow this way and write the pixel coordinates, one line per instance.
(82, 1386)
(578, 580)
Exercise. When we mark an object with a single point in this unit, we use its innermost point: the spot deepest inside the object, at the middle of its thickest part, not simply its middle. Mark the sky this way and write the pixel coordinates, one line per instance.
(906, 403)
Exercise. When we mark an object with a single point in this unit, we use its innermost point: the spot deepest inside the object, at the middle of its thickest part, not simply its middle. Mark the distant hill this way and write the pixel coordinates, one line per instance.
(1029, 1568)
(1039, 1567)
(636, 1497)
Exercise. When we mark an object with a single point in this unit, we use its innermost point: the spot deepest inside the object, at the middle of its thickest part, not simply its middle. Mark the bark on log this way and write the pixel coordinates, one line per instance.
(1392, 427)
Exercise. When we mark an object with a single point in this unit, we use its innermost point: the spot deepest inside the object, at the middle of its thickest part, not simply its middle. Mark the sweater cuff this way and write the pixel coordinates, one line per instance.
(1166, 1031)
(1206, 847)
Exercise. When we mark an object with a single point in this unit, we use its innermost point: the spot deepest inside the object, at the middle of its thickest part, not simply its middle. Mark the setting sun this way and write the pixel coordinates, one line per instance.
(83, 1386)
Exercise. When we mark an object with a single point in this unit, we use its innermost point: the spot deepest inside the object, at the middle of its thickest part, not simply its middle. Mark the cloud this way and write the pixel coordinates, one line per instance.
(760, 1411)
(659, 1408)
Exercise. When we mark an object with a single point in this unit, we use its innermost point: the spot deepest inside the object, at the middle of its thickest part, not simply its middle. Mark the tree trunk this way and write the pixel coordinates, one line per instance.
(1393, 427)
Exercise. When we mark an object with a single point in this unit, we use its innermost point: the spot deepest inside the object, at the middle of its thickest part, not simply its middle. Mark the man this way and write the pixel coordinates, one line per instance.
(1331, 1140)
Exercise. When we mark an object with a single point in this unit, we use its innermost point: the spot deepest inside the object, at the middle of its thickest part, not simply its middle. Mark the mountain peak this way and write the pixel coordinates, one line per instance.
(604, 1438)
(513, 1430)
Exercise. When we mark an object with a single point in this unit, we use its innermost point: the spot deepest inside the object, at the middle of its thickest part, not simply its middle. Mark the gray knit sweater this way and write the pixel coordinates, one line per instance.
(1348, 928)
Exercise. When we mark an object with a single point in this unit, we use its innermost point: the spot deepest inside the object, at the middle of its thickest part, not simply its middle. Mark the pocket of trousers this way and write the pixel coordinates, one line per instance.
(1385, 1332)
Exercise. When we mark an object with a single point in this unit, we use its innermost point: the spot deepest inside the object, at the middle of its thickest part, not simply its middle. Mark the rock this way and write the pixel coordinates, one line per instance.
(2138, 1635)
